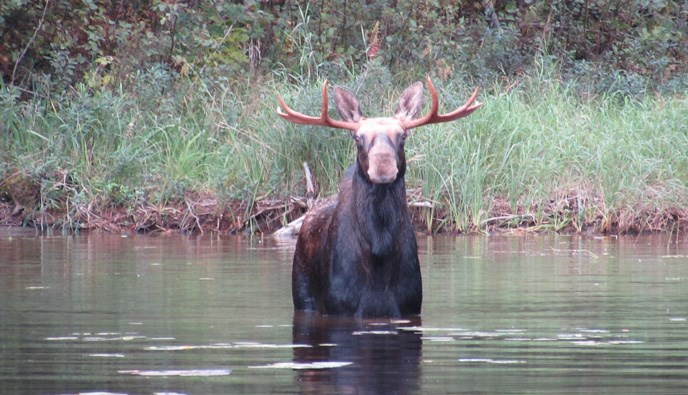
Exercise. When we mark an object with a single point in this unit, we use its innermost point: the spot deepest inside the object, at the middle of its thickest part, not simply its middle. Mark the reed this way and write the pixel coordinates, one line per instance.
(539, 154)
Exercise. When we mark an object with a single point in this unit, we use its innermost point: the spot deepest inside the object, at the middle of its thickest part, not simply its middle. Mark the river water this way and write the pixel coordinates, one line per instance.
(530, 314)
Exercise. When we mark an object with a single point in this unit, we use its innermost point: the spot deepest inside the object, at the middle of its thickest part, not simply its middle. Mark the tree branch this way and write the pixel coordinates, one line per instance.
(19, 59)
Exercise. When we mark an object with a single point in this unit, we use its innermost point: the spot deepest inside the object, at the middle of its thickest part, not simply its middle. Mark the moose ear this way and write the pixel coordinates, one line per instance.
(410, 103)
(347, 105)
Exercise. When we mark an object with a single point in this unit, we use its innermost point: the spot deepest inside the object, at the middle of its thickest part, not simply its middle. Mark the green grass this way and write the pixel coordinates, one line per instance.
(539, 154)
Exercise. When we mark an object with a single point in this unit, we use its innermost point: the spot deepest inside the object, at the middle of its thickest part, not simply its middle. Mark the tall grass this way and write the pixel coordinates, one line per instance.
(611, 161)
(537, 154)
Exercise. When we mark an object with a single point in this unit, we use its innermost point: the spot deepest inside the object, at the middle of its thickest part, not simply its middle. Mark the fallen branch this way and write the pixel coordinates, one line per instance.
(505, 218)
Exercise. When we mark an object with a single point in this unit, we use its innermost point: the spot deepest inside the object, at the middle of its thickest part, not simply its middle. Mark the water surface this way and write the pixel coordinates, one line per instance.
(103, 313)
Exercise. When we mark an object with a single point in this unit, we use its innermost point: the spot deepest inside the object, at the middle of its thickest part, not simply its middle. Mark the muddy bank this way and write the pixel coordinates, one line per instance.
(196, 214)
(199, 214)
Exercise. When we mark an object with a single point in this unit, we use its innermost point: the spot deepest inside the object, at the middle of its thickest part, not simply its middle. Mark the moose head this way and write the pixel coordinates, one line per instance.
(380, 141)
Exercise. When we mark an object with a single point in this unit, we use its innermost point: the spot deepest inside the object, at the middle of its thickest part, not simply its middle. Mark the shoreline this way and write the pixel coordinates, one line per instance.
(200, 214)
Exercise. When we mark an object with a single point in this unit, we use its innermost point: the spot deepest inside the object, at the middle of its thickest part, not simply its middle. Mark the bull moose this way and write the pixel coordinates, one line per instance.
(356, 253)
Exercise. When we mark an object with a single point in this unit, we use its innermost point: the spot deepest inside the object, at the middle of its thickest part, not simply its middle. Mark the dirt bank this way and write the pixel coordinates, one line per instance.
(204, 213)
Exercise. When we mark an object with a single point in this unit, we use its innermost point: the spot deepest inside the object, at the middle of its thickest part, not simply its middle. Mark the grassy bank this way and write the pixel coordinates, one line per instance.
(161, 153)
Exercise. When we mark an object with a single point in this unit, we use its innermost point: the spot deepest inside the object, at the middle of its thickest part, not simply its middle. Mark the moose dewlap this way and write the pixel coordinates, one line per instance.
(356, 253)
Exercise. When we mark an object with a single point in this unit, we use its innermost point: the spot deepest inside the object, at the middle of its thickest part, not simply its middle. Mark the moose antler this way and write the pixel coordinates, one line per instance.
(433, 117)
(324, 119)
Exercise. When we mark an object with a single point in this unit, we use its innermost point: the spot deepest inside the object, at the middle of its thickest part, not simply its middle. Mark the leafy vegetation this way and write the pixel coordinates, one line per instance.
(630, 46)
(160, 114)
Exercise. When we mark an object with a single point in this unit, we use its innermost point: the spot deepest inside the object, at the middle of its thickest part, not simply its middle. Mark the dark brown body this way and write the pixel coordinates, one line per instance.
(356, 254)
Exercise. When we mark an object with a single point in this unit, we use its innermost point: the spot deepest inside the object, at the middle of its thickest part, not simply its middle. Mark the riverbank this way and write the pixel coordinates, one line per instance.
(190, 155)
(204, 214)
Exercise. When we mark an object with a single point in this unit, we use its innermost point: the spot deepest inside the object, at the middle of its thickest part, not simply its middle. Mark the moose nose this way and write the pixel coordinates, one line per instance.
(382, 162)
(383, 173)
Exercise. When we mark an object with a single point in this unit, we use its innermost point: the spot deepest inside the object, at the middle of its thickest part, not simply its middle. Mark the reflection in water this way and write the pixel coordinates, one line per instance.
(385, 358)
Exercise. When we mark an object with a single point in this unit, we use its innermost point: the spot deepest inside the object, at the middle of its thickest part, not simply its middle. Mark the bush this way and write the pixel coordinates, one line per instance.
(642, 43)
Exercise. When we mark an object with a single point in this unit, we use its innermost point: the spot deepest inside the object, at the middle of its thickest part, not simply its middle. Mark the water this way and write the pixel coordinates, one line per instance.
(212, 315)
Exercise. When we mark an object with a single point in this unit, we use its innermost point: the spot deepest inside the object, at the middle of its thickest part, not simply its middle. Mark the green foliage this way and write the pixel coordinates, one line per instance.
(538, 148)
(641, 44)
